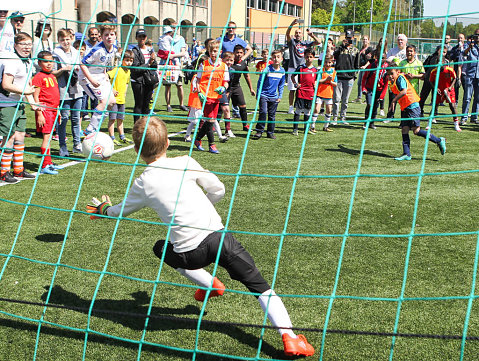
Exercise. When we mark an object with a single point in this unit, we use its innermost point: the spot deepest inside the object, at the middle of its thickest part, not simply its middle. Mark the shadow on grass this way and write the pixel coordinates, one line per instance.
(341, 148)
(132, 312)
(50, 237)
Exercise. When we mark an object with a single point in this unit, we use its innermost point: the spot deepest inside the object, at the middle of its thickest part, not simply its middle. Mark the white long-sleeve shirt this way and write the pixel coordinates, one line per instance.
(163, 185)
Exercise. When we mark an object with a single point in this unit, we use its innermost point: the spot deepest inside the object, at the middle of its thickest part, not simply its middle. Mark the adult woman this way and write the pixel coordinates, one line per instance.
(42, 41)
(143, 75)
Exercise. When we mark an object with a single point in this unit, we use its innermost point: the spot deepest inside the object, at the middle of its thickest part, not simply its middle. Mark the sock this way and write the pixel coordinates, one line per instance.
(190, 128)
(277, 313)
(18, 156)
(243, 116)
(47, 160)
(432, 137)
(296, 120)
(198, 276)
(6, 161)
(218, 129)
(327, 119)
(314, 119)
(227, 124)
(306, 118)
(406, 142)
(210, 133)
(122, 136)
(95, 121)
(112, 137)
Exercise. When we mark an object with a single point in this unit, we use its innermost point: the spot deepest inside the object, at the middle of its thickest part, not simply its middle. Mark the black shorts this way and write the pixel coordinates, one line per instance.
(237, 97)
(304, 105)
(233, 257)
(414, 116)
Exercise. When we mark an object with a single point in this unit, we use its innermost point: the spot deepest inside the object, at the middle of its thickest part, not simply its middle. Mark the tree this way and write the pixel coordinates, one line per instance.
(322, 4)
(322, 18)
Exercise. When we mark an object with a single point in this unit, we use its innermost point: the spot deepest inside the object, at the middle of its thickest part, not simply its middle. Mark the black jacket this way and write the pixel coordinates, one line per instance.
(139, 61)
(347, 58)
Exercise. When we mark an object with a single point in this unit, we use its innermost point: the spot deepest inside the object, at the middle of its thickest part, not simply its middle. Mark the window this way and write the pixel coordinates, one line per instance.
(261, 4)
(273, 6)
(285, 9)
(291, 9)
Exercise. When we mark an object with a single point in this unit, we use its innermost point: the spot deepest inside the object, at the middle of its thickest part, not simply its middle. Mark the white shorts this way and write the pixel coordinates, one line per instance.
(326, 101)
(194, 115)
(290, 82)
(104, 91)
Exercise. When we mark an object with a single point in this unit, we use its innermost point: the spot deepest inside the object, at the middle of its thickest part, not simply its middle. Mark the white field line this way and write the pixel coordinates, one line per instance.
(75, 162)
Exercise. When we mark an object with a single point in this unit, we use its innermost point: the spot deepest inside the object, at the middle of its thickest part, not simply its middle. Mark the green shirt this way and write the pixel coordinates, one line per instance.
(414, 68)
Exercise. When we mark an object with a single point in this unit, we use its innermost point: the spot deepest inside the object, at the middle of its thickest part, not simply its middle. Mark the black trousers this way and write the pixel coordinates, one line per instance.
(142, 95)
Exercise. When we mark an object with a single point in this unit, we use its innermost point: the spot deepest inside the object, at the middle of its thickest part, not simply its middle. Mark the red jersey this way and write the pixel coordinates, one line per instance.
(307, 79)
(260, 66)
(49, 91)
(446, 77)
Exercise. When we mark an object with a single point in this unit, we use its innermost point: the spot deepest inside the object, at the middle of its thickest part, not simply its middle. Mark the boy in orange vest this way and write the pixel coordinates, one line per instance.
(324, 93)
(212, 79)
(408, 100)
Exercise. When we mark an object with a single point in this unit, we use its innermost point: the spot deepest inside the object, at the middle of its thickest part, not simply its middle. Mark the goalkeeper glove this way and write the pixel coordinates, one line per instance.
(202, 97)
(220, 90)
(98, 207)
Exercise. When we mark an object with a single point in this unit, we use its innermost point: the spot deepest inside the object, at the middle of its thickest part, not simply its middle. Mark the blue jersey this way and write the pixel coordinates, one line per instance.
(98, 59)
(273, 82)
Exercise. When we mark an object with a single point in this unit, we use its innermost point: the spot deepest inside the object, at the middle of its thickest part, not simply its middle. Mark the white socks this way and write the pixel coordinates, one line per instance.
(277, 313)
(199, 276)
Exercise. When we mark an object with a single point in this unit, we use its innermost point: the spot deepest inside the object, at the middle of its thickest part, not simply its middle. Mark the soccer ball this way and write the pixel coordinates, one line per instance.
(101, 144)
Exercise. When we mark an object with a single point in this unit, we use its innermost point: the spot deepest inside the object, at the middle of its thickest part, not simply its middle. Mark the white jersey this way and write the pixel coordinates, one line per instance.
(397, 53)
(98, 59)
(21, 72)
(7, 36)
(166, 188)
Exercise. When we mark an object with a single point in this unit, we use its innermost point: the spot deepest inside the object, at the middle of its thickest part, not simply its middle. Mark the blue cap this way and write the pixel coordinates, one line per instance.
(17, 14)
(78, 36)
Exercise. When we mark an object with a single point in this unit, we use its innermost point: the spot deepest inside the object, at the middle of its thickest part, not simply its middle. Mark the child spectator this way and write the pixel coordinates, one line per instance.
(324, 94)
(71, 93)
(270, 91)
(262, 64)
(408, 100)
(120, 77)
(196, 238)
(228, 58)
(445, 90)
(412, 67)
(47, 93)
(93, 77)
(368, 85)
(304, 81)
(81, 48)
(15, 83)
(165, 47)
(212, 78)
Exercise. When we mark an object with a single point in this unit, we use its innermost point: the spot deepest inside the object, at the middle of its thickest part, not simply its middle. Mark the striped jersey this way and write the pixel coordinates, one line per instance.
(273, 82)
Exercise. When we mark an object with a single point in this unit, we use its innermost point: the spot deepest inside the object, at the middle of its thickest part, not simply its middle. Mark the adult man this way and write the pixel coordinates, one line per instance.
(471, 86)
(347, 58)
(7, 33)
(230, 40)
(447, 42)
(364, 56)
(179, 47)
(456, 54)
(296, 47)
(399, 51)
(93, 39)
(17, 19)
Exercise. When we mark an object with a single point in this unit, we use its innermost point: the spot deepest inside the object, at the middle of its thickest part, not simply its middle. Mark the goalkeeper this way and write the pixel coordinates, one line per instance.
(174, 187)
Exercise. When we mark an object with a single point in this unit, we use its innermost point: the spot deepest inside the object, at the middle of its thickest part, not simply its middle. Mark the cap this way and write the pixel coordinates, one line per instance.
(349, 33)
(167, 29)
(44, 21)
(140, 32)
(17, 14)
(78, 36)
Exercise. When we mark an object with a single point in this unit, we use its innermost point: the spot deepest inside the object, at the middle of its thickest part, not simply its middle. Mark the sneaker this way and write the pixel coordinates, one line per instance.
(117, 142)
(23, 175)
(198, 145)
(8, 178)
(77, 149)
(223, 139)
(126, 140)
(403, 157)
(257, 135)
(213, 149)
(463, 122)
(295, 132)
(270, 136)
(169, 109)
(372, 126)
(381, 113)
(364, 126)
(246, 127)
(184, 108)
(86, 118)
(387, 120)
(434, 120)
(48, 170)
(230, 134)
(63, 152)
(442, 145)
(291, 109)
(456, 126)
(55, 138)
(335, 121)
(200, 294)
(298, 346)
(327, 129)
(312, 130)
(187, 139)
(357, 100)
(344, 122)
(56, 166)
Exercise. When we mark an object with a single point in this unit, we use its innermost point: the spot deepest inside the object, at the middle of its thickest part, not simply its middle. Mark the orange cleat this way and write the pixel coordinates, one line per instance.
(200, 294)
(297, 346)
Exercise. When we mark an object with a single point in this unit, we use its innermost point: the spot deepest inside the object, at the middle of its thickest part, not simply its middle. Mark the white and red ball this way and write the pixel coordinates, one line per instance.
(101, 144)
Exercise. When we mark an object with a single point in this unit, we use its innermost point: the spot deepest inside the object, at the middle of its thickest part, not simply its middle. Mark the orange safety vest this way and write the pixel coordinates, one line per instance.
(410, 97)
(326, 90)
(194, 100)
(217, 78)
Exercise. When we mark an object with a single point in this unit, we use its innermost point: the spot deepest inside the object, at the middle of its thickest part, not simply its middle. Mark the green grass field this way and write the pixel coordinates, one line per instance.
(333, 220)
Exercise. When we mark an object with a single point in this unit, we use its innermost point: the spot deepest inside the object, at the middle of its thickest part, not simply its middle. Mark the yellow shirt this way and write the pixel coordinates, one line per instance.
(120, 84)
